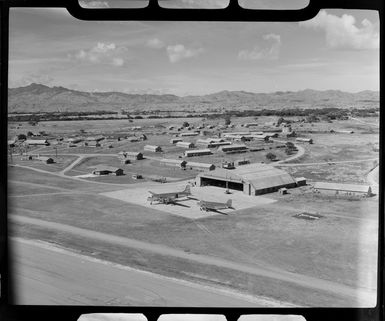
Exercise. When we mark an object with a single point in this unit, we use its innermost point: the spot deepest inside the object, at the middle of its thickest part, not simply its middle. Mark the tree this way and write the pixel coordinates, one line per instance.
(312, 118)
(280, 121)
(21, 137)
(271, 156)
(185, 124)
(288, 151)
(29, 134)
(290, 145)
(227, 120)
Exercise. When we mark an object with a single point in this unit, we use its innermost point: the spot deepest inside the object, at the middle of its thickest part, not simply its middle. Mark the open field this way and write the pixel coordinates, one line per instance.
(35, 285)
(259, 248)
(354, 173)
(149, 168)
(61, 162)
(248, 235)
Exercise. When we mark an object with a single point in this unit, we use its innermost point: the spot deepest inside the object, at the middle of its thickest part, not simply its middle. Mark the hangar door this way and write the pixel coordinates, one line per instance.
(221, 183)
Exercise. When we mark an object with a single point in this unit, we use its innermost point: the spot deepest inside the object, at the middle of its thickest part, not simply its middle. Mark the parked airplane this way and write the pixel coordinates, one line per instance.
(170, 197)
(214, 206)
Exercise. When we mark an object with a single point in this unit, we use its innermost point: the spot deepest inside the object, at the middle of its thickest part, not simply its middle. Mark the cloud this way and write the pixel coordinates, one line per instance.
(32, 78)
(179, 52)
(148, 91)
(269, 50)
(342, 32)
(94, 4)
(103, 53)
(155, 43)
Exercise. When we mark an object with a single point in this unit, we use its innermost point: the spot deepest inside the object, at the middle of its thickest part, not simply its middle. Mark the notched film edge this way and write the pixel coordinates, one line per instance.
(216, 162)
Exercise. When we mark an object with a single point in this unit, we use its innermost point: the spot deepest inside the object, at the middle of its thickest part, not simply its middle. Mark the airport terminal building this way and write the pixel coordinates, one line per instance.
(253, 179)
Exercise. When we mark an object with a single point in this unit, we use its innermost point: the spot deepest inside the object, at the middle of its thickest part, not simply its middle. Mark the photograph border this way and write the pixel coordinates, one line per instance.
(156, 13)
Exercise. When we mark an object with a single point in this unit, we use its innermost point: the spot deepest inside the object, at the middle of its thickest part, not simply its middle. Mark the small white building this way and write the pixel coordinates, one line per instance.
(233, 148)
(185, 144)
(200, 166)
(304, 140)
(251, 125)
(94, 138)
(173, 162)
(271, 134)
(262, 137)
(130, 155)
(344, 189)
(45, 159)
(197, 152)
(175, 140)
(186, 134)
(74, 140)
(34, 142)
(153, 148)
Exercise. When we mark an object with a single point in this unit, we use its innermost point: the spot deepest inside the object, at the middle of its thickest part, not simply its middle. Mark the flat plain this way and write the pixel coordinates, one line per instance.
(247, 250)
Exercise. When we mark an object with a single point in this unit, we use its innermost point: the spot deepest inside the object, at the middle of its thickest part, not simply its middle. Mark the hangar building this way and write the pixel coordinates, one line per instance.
(252, 179)
(347, 189)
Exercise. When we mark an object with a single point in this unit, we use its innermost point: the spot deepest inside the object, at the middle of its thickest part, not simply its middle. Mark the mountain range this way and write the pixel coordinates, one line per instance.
(41, 98)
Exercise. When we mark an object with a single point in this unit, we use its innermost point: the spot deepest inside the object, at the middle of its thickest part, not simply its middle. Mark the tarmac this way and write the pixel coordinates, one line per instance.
(188, 206)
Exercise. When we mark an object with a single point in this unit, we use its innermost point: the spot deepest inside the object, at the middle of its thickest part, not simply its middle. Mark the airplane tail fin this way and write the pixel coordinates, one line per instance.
(187, 189)
(229, 203)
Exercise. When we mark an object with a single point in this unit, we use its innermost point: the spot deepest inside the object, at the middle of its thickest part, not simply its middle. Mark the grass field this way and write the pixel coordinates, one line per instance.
(352, 173)
(340, 246)
(331, 248)
(60, 163)
(197, 273)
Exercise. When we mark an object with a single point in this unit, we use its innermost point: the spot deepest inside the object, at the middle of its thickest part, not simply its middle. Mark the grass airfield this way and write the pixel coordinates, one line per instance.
(263, 231)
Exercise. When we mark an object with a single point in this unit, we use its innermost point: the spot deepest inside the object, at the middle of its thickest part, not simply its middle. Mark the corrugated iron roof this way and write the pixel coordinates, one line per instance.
(224, 147)
(35, 141)
(198, 151)
(342, 187)
(260, 176)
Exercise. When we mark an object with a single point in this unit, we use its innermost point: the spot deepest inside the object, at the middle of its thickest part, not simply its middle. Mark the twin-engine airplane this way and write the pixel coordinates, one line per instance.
(214, 206)
(170, 197)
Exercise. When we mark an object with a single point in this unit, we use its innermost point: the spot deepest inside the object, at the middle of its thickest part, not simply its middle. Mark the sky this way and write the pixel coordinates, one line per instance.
(338, 49)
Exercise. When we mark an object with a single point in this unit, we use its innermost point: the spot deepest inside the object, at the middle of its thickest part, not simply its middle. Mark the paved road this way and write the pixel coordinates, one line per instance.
(48, 275)
(361, 296)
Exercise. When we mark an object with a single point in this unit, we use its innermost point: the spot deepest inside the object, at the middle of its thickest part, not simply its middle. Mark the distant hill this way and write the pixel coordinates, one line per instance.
(41, 98)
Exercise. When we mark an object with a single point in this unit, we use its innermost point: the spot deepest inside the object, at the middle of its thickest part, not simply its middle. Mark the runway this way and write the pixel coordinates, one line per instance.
(48, 275)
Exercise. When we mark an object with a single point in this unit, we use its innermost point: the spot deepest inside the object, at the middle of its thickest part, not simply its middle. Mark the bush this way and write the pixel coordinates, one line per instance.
(271, 156)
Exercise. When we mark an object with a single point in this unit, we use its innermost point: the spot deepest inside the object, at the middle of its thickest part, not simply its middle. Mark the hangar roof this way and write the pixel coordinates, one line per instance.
(260, 176)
